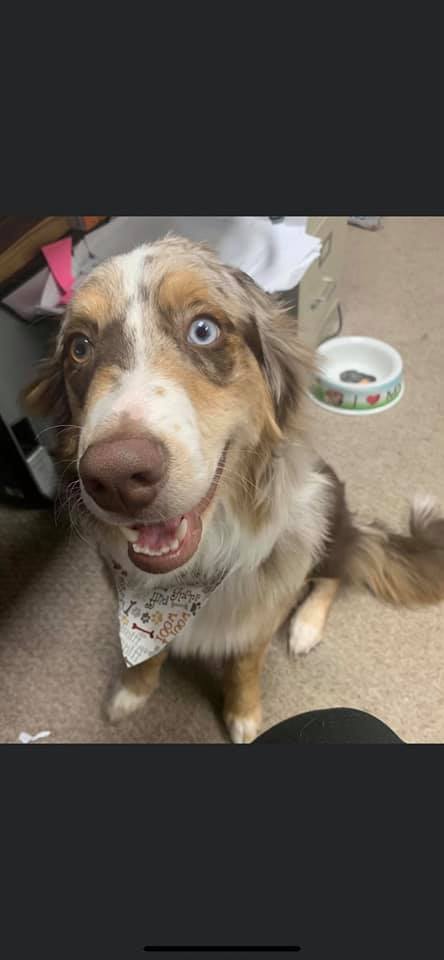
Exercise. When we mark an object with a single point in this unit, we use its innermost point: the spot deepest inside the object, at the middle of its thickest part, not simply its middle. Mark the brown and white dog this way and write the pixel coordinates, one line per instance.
(178, 386)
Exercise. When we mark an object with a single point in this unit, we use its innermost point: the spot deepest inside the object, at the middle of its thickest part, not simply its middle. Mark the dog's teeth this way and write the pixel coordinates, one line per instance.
(130, 535)
(170, 547)
(182, 529)
(146, 551)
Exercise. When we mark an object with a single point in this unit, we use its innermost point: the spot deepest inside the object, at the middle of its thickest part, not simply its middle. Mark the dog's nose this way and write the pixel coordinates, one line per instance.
(124, 475)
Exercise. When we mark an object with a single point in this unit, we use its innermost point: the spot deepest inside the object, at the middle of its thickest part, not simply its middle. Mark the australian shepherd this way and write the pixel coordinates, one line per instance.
(178, 386)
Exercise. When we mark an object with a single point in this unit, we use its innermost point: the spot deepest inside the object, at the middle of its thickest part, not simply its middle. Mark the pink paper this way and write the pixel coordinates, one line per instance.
(58, 256)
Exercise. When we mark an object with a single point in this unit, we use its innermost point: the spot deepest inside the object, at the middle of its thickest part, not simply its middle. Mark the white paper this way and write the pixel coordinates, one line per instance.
(29, 738)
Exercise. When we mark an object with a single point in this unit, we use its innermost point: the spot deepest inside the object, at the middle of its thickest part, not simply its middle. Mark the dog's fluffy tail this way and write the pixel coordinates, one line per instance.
(405, 570)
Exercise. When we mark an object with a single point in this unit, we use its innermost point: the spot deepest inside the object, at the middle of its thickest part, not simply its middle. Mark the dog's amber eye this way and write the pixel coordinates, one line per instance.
(203, 331)
(80, 349)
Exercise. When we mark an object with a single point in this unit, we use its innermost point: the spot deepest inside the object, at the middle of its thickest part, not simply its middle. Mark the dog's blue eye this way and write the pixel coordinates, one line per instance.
(203, 331)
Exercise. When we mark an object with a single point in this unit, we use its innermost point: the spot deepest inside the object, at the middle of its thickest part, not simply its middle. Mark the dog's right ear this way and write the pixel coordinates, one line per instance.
(273, 336)
(46, 395)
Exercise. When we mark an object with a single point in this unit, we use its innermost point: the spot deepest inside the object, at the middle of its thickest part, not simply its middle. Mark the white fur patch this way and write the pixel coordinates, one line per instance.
(307, 624)
(132, 267)
(123, 703)
(302, 636)
(425, 508)
(134, 327)
(243, 729)
(153, 399)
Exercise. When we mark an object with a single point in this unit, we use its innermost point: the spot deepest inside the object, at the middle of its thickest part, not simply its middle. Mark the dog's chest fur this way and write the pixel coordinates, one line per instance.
(265, 570)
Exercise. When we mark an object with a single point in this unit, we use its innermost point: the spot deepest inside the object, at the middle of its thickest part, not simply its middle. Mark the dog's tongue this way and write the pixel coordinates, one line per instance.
(157, 535)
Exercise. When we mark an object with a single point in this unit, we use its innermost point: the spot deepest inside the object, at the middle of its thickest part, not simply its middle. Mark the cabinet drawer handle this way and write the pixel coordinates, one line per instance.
(325, 249)
(330, 287)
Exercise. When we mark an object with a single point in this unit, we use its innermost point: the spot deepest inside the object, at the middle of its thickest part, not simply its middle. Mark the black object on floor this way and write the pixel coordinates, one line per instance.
(339, 725)
(22, 461)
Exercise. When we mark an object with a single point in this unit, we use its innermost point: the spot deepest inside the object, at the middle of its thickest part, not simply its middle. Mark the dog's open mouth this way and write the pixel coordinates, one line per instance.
(162, 547)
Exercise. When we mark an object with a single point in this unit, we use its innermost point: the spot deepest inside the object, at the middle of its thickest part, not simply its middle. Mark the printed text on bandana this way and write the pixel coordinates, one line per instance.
(149, 621)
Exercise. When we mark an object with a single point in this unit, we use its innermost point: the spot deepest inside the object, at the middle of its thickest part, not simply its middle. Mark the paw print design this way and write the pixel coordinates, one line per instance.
(145, 617)
(195, 606)
(157, 617)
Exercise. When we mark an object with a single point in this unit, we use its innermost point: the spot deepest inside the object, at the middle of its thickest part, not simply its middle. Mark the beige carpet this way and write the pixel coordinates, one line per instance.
(58, 648)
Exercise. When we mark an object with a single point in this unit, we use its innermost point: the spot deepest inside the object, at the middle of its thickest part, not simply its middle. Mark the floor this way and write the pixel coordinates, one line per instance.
(58, 648)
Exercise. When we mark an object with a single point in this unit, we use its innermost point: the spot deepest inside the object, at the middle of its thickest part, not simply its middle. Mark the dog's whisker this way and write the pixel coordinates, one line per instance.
(61, 428)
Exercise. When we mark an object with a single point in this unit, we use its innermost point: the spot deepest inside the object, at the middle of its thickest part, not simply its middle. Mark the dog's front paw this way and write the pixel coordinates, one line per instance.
(303, 636)
(243, 729)
(123, 703)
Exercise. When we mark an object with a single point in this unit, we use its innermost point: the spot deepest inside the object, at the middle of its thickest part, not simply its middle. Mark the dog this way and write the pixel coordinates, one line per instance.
(178, 387)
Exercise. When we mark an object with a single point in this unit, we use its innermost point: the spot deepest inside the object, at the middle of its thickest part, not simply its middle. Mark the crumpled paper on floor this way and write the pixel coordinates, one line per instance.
(24, 737)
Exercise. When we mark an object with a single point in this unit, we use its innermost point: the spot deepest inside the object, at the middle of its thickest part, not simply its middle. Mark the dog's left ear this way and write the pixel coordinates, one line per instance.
(271, 332)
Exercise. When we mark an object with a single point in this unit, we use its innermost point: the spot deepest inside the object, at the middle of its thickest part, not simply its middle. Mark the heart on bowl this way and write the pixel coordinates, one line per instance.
(374, 398)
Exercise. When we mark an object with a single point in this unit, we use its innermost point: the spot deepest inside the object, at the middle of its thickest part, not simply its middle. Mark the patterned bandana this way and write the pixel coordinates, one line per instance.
(150, 620)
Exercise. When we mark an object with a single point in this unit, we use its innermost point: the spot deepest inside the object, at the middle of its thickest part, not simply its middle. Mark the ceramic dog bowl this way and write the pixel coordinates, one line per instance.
(358, 375)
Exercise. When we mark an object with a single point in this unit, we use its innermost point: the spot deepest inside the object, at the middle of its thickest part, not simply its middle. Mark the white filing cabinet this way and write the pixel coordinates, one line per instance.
(318, 306)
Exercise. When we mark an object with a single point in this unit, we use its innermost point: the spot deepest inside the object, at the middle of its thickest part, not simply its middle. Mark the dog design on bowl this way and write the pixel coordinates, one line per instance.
(335, 397)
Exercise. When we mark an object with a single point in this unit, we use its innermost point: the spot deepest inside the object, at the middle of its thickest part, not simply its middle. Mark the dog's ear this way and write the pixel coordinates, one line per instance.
(46, 395)
(271, 332)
